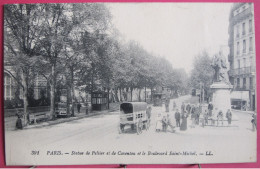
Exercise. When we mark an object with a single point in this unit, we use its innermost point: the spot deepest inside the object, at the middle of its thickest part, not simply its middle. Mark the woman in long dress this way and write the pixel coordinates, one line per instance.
(184, 117)
(159, 123)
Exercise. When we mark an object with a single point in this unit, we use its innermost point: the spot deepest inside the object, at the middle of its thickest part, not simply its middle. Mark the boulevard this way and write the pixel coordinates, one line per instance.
(100, 133)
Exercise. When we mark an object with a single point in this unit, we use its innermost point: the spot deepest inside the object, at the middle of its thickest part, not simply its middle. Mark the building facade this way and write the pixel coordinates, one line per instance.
(242, 56)
(12, 88)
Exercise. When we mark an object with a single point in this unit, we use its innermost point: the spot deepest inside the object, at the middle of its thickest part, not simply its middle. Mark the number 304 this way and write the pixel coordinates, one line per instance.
(35, 153)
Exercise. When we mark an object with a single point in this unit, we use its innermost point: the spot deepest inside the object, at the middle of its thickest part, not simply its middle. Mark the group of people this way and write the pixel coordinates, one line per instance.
(181, 119)
(163, 122)
(206, 114)
(197, 114)
(189, 110)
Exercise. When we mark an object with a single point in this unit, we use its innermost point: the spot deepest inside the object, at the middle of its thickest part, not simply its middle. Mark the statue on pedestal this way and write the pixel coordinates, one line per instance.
(221, 86)
(220, 67)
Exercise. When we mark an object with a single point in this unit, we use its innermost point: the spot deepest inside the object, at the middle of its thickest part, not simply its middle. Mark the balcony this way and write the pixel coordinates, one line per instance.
(241, 71)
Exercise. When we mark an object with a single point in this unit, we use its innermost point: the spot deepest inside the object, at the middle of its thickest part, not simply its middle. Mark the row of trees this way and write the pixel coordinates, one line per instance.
(76, 45)
(202, 73)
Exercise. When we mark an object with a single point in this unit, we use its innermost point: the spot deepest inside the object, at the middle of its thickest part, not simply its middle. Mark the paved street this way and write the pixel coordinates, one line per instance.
(101, 133)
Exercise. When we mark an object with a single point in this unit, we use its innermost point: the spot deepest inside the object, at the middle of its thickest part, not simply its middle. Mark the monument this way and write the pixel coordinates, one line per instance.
(221, 86)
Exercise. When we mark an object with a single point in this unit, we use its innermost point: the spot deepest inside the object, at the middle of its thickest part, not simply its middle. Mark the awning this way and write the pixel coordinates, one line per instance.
(240, 95)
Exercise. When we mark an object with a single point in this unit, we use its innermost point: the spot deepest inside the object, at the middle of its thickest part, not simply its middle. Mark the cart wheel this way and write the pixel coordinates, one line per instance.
(132, 126)
(139, 127)
(121, 128)
(148, 125)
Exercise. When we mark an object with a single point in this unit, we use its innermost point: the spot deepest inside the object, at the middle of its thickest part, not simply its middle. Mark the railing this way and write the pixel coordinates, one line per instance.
(241, 71)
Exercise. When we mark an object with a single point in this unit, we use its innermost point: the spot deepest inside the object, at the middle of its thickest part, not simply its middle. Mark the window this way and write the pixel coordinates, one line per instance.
(99, 100)
(250, 26)
(251, 82)
(238, 63)
(250, 44)
(94, 101)
(244, 28)
(244, 60)
(251, 61)
(238, 48)
(7, 87)
(244, 46)
(238, 83)
(237, 31)
(244, 83)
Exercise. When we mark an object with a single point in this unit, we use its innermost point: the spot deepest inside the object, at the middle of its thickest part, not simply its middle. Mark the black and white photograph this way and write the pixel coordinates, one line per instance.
(129, 83)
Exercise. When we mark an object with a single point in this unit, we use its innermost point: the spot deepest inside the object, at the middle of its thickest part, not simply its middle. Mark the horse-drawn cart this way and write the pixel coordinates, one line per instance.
(134, 114)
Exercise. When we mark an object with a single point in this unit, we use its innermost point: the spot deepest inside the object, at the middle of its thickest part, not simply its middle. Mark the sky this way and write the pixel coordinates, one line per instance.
(175, 31)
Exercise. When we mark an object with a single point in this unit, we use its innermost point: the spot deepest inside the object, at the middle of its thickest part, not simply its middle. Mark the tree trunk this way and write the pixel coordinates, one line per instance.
(145, 93)
(72, 93)
(68, 97)
(139, 95)
(151, 94)
(52, 88)
(108, 98)
(120, 94)
(116, 95)
(25, 99)
(126, 95)
(131, 94)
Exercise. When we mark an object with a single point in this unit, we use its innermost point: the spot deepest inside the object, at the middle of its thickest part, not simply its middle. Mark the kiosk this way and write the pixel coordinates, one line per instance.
(99, 100)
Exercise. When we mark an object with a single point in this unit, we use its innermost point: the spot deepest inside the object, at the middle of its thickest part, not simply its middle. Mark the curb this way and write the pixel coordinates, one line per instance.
(50, 123)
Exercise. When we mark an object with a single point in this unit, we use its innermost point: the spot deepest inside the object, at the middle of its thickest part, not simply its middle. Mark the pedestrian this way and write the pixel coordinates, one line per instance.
(149, 114)
(164, 123)
(174, 105)
(19, 124)
(192, 111)
(158, 123)
(182, 107)
(87, 108)
(188, 107)
(167, 102)
(197, 115)
(210, 109)
(192, 120)
(184, 117)
(253, 121)
(220, 117)
(229, 117)
(169, 123)
(205, 118)
(78, 107)
(178, 118)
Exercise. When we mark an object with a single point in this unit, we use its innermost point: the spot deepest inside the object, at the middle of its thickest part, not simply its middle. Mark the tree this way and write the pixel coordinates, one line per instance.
(22, 40)
(202, 72)
(60, 20)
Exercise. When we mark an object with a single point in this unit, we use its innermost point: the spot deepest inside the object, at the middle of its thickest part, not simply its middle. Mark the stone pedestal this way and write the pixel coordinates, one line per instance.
(221, 97)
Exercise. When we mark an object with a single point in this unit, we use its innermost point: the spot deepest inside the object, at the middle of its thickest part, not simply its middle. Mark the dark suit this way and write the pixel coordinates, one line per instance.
(178, 118)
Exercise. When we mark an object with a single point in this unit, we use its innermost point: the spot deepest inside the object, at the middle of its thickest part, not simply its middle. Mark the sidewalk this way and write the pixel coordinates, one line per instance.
(10, 121)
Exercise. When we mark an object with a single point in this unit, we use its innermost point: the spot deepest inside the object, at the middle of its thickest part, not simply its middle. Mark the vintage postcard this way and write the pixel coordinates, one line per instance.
(129, 83)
